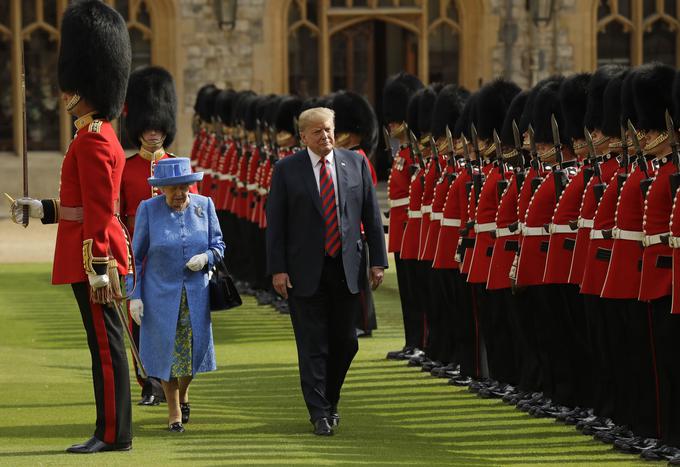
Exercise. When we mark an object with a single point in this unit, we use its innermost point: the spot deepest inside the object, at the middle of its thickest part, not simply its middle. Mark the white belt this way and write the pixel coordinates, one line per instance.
(426, 209)
(228, 177)
(262, 191)
(584, 223)
(395, 203)
(505, 232)
(651, 240)
(194, 163)
(414, 214)
(488, 227)
(251, 186)
(450, 222)
(628, 235)
(560, 229)
(674, 242)
(207, 171)
(240, 184)
(596, 235)
(437, 216)
(533, 231)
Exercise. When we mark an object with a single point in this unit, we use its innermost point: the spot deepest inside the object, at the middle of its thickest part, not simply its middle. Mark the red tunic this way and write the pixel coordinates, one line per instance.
(197, 147)
(599, 249)
(623, 274)
(426, 205)
(675, 231)
(440, 191)
(506, 242)
(449, 230)
(471, 206)
(397, 191)
(656, 277)
(486, 211)
(91, 175)
(411, 240)
(204, 164)
(135, 187)
(221, 174)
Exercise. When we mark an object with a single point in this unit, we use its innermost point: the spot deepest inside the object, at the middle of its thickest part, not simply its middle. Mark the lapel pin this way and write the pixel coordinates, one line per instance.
(199, 211)
(342, 163)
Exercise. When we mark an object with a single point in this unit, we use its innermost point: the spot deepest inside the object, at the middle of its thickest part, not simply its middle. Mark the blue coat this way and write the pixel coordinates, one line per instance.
(164, 241)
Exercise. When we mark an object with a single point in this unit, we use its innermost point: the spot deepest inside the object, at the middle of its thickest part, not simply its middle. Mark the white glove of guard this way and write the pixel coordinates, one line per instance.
(137, 310)
(35, 209)
(98, 282)
(197, 262)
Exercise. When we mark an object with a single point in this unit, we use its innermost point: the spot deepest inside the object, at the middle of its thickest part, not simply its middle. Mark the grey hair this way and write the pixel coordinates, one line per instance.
(315, 115)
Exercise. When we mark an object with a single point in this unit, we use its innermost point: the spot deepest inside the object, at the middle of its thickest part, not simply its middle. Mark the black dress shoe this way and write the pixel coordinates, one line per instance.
(334, 419)
(176, 427)
(661, 453)
(94, 445)
(397, 354)
(186, 411)
(460, 381)
(674, 460)
(322, 427)
(636, 445)
(149, 399)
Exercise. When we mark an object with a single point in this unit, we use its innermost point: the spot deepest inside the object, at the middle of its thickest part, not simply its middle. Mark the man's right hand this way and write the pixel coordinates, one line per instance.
(281, 283)
(35, 209)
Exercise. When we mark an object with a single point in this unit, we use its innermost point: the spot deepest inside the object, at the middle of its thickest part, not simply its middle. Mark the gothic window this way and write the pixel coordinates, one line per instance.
(443, 34)
(303, 48)
(631, 32)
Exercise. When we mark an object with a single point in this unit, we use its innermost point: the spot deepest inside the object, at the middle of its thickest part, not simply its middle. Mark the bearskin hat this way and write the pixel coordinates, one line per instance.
(514, 113)
(466, 118)
(354, 114)
(206, 88)
(676, 100)
(151, 104)
(611, 102)
(289, 110)
(595, 111)
(524, 122)
(492, 105)
(547, 103)
(447, 109)
(95, 56)
(652, 94)
(206, 104)
(250, 121)
(396, 95)
(628, 111)
(262, 106)
(574, 100)
(240, 107)
(224, 106)
(426, 107)
(270, 111)
(412, 112)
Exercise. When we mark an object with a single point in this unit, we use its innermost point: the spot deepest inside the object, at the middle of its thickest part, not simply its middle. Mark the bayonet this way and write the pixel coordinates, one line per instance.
(673, 137)
(475, 141)
(535, 162)
(640, 158)
(623, 162)
(598, 189)
(477, 179)
(449, 143)
(388, 144)
(519, 174)
(556, 140)
(435, 156)
(502, 183)
(415, 149)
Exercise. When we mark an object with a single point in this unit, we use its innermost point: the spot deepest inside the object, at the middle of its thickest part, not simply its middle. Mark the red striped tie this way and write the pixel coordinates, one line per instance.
(328, 207)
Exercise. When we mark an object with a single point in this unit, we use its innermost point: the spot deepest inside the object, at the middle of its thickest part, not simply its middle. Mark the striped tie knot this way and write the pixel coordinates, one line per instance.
(328, 208)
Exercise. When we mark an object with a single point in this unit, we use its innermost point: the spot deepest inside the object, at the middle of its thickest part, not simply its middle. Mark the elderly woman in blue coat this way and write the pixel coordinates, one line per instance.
(177, 237)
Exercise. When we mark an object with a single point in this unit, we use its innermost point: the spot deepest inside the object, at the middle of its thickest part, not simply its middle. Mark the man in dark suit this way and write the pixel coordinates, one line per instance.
(318, 201)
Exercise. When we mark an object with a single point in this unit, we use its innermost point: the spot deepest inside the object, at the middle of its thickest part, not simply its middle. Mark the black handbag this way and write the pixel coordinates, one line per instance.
(223, 293)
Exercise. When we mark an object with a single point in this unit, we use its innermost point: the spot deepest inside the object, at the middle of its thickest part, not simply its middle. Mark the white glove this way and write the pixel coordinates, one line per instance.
(97, 282)
(137, 310)
(35, 209)
(197, 262)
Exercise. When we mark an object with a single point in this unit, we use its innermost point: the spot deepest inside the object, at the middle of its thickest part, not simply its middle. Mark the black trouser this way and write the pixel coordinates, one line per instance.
(326, 338)
(575, 337)
(424, 300)
(521, 317)
(441, 325)
(414, 316)
(412, 320)
(466, 328)
(366, 320)
(262, 280)
(110, 374)
(497, 334)
(667, 351)
(601, 325)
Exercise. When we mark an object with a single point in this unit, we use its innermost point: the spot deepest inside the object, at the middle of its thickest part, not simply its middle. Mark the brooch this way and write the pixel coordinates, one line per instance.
(199, 211)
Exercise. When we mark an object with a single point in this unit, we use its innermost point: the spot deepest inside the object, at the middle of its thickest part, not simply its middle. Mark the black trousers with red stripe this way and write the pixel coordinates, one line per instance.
(110, 374)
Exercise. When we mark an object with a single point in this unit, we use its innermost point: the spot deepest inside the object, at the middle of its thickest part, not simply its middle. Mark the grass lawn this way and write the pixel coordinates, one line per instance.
(251, 411)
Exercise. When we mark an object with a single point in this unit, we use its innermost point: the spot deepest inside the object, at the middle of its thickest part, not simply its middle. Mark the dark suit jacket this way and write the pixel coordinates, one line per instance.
(295, 224)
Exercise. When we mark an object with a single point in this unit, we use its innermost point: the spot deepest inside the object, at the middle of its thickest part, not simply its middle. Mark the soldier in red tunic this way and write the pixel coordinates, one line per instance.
(396, 94)
(201, 126)
(492, 104)
(151, 106)
(91, 251)
(356, 129)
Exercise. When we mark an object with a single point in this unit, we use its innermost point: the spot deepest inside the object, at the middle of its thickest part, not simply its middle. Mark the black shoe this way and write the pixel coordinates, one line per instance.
(397, 354)
(674, 460)
(460, 381)
(186, 411)
(661, 453)
(636, 445)
(149, 400)
(322, 427)
(412, 352)
(176, 427)
(429, 365)
(94, 445)
(334, 419)
(362, 333)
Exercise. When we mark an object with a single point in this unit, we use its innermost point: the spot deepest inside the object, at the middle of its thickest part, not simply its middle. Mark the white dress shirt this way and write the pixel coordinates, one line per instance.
(316, 165)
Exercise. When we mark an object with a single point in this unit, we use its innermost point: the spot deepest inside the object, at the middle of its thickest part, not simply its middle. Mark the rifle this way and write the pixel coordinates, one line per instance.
(519, 174)
(452, 151)
(415, 149)
(435, 156)
(535, 163)
(624, 161)
(388, 144)
(558, 172)
(274, 145)
(478, 177)
(598, 188)
(502, 184)
(468, 164)
(674, 178)
(640, 159)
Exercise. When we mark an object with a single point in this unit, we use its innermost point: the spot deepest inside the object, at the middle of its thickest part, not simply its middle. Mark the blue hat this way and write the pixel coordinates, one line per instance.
(174, 171)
